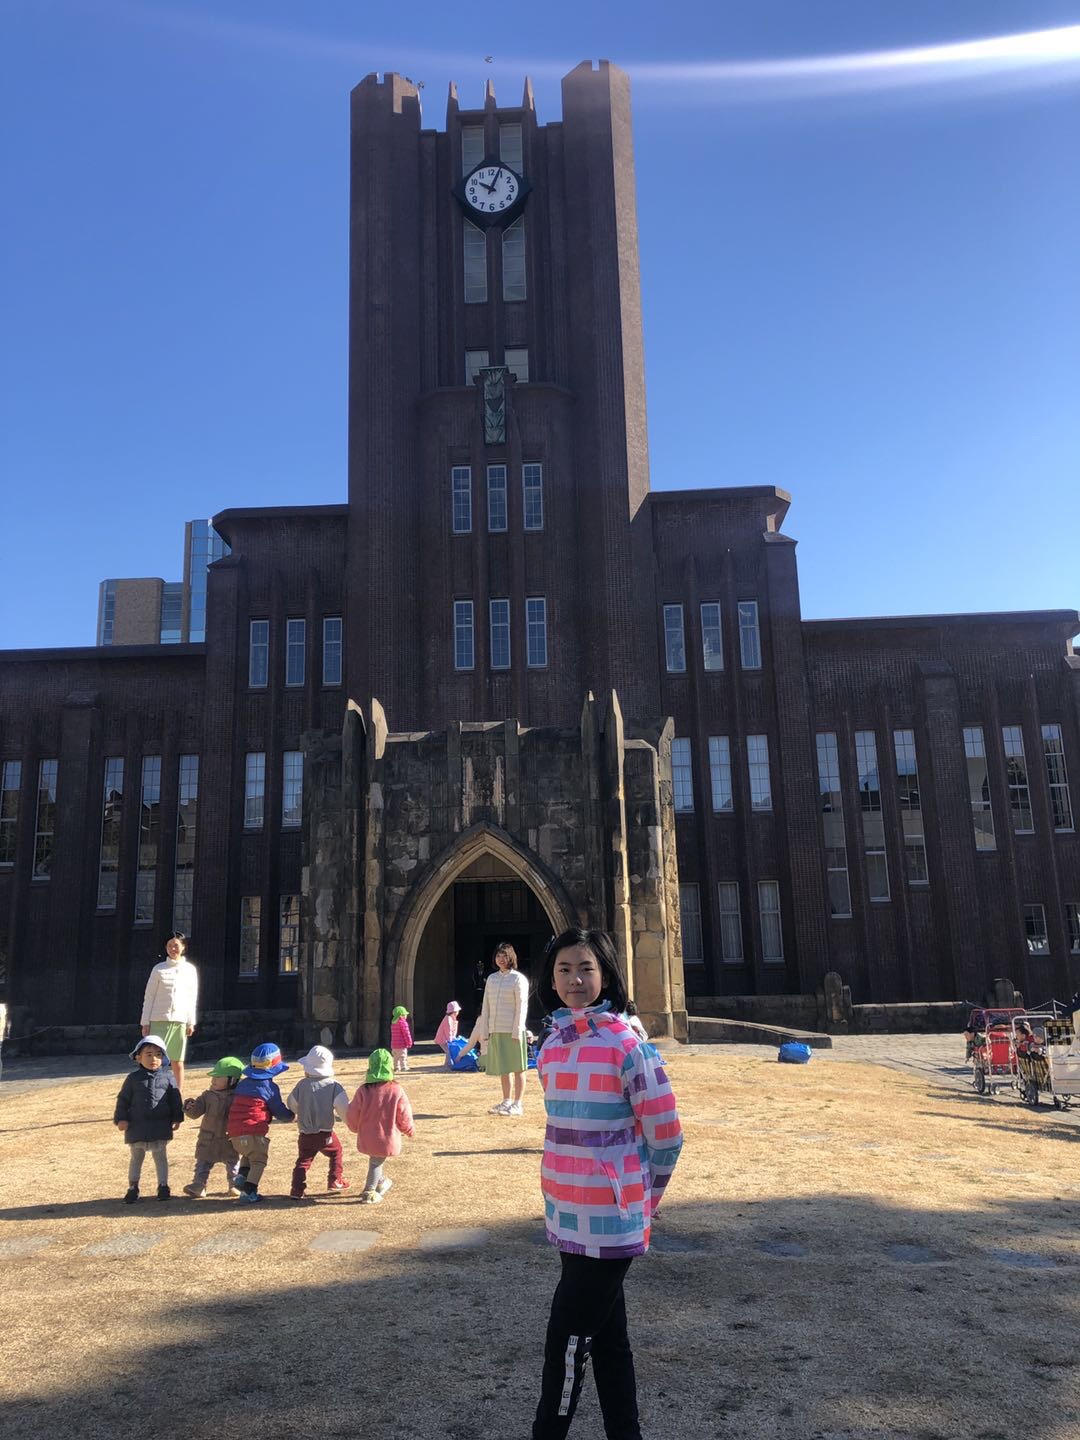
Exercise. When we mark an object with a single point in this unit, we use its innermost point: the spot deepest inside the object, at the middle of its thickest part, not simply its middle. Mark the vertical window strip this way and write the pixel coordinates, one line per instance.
(832, 820)
(1038, 941)
(475, 361)
(712, 640)
(45, 822)
(757, 763)
(254, 790)
(187, 810)
(1012, 737)
(9, 810)
(331, 649)
(510, 148)
(772, 933)
(112, 807)
(682, 775)
(499, 620)
(723, 798)
(289, 935)
(690, 916)
(536, 632)
(250, 934)
(978, 774)
(1057, 777)
(731, 941)
(292, 789)
(513, 261)
(674, 639)
(911, 818)
(496, 497)
(1072, 925)
(295, 647)
(749, 635)
(472, 148)
(474, 254)
(259, 654)
(516, 360)
(464, 650)
(461, 485)
(532, 496)
(873, 820)
(149, 829)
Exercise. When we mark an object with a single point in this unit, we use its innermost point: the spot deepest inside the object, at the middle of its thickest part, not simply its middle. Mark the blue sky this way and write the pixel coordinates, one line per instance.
(860, 283)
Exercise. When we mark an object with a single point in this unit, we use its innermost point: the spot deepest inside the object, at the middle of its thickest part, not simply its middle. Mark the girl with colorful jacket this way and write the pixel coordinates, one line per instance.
(400, 1037)
(612, 1140)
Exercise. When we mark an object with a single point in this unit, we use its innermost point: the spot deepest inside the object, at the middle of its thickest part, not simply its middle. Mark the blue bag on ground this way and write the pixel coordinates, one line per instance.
(794, 1052)
(461, 1058)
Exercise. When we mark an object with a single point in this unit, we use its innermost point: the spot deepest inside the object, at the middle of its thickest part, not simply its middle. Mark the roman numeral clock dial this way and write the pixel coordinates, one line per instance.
(492, 194)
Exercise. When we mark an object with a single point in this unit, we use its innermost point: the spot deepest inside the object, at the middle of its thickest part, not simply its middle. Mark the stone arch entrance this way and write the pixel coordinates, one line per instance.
(484, 855)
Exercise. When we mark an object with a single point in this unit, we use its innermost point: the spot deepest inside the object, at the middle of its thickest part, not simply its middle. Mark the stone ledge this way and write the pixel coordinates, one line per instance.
(711, 1031)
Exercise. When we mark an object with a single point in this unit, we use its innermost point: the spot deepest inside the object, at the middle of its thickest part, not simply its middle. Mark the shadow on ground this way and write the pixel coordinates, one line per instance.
(820, 1317)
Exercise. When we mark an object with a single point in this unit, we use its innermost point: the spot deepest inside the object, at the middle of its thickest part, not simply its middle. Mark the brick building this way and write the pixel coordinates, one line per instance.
(888, 798)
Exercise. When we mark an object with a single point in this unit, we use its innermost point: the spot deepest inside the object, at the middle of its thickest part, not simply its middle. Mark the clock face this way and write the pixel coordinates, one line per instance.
(491, 189)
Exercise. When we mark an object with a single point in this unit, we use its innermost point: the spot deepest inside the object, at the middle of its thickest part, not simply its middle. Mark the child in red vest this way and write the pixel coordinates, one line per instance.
(256, 1103)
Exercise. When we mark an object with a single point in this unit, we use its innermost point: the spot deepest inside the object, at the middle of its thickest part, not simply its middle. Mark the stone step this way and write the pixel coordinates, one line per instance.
(709, 1030)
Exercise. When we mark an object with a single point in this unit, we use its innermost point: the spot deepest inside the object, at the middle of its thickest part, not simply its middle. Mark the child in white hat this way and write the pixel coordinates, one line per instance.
(447, 1031)
(315, 1102)
(148, 1111)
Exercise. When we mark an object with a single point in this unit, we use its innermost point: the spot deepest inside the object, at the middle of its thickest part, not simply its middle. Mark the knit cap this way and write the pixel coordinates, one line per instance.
(398, 1013)
(380, 1066)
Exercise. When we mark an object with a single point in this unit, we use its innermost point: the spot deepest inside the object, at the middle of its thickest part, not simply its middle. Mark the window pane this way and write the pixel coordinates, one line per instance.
(1035, 930)
(186, 825)
(331, 650)
(682, 775)
(690, 916)
(472, 148)
(295, 643)
(461, 485)
(250, 933)
(500, 634)
(1072, 924)
(979, 788)
(112, 808)
(536, 631)
(510, 146)
(749, 635)
(1012, 737)
(496, 483)
(149, 834)
(292, 789)
(723, 799)
(712, 642)
(731, 943)
(289, 935)
(475, 361)
(9, 810)
(757, 757)
(1057, 777)
(463, 635)
(259, 653)
(254, 790)
(772, 939)
(517, 362)
(513, 258)
(475, 260)
(832, 819)
(532, 490)
(877, 869)
(674, 640)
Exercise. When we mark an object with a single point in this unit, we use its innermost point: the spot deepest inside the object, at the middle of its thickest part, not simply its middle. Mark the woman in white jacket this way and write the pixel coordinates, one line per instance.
(501, 1027)
(172, 993)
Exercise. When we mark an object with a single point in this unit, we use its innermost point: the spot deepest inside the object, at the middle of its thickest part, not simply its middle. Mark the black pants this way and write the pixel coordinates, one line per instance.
(588, 1317)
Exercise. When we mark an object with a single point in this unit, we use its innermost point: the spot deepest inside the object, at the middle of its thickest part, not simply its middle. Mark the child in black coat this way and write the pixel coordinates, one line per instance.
(148, 1111)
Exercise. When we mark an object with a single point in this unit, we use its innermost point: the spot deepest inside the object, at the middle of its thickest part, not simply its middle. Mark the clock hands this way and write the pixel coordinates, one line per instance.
(490, 188)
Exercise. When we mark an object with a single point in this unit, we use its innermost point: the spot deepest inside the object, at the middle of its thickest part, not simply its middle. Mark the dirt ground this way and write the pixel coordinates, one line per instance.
(845, 1251)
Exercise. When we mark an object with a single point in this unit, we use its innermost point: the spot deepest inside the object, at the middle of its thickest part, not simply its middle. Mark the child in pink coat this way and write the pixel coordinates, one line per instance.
(379, 1114)
(400, 1037)
(447, 1031)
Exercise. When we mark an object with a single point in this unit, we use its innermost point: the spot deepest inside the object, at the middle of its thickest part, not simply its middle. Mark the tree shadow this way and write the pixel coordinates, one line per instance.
(825, 1316)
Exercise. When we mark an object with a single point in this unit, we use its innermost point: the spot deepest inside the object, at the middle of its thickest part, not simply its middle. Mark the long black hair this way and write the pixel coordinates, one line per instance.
(600, 943)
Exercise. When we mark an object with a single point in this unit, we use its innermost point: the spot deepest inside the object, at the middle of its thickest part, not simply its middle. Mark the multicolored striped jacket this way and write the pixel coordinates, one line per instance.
(613, 1134)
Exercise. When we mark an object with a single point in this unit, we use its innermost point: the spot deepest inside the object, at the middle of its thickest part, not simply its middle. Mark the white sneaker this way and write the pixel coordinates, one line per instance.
(514, 1108)
(503, 1108)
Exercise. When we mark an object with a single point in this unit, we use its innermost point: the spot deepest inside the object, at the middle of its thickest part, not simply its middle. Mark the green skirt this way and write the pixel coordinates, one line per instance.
(506, 1055)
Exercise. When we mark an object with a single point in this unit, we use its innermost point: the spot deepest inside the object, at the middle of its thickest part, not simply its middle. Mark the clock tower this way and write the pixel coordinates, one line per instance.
(498, 457)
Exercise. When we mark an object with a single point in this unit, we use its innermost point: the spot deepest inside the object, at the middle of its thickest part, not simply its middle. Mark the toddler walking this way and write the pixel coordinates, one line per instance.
(315, 1102)
(148, 1111)
(379, 1114)
(213, 1147)
(447, 1031)
(400, 1037)
(256, 1103)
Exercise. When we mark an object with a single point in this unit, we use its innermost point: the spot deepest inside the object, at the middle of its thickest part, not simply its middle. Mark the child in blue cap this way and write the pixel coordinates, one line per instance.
(256, 1103)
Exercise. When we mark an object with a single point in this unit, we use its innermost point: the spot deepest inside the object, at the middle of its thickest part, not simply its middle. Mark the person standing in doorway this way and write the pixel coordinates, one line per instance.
(501, 1027)
(169, 1004)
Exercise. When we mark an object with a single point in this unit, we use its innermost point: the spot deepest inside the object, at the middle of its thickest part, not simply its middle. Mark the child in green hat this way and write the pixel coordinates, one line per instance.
(213, 1146)
(400, 1037)
(379, 1114)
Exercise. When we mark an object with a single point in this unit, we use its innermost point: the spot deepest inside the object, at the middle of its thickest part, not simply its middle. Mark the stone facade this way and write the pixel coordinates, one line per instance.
(582, 816)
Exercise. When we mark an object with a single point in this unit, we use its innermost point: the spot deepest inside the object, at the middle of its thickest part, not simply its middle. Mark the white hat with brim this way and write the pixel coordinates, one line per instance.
(150, 1040)
(318, 1062)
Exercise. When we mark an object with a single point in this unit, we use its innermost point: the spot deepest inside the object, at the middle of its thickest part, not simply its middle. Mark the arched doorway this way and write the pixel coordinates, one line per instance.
(487, 888)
